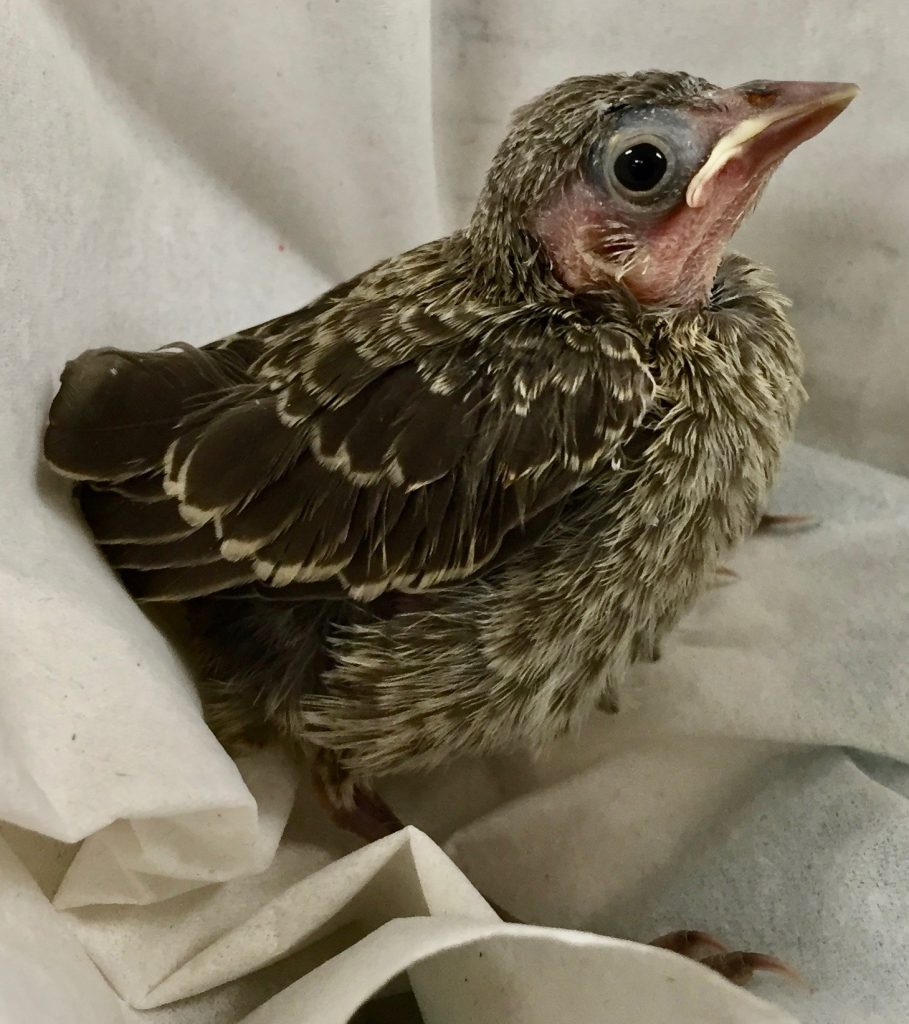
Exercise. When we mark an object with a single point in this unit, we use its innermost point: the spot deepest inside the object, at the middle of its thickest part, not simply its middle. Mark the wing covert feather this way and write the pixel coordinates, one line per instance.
(377, 439)
(391, 446)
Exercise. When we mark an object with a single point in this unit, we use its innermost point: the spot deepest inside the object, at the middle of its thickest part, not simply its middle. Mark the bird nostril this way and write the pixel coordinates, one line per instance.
(761, 97)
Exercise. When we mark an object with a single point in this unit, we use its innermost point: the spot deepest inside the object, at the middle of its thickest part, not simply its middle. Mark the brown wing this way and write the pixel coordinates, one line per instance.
(388, 445)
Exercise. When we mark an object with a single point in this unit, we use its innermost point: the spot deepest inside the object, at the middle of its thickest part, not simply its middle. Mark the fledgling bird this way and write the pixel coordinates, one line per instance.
(444, 506)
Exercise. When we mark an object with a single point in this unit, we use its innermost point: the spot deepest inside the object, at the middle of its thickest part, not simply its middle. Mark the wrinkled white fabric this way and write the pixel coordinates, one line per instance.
(175, 171)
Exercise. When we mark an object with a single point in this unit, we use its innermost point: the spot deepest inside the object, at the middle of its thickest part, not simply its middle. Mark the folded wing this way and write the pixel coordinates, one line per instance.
(362, 445)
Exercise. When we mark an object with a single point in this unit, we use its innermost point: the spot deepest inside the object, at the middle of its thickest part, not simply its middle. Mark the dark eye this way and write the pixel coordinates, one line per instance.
(640, 168)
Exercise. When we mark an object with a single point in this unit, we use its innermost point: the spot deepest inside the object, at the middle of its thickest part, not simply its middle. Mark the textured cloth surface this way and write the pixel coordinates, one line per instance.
(175, 171)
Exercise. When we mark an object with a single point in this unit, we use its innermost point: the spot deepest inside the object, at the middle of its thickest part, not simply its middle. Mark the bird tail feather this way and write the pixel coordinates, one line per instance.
(109, 428)
(115, 413)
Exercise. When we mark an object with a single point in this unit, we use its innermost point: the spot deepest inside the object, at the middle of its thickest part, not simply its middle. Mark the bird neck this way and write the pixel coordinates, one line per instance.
(507, 263)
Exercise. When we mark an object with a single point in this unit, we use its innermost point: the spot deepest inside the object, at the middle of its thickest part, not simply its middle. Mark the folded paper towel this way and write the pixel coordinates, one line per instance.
(729, 797)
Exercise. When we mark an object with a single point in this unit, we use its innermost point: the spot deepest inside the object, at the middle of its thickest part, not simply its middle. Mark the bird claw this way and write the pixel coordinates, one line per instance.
(737, 966)
(789, 522)
(792, 523)
(724, 572)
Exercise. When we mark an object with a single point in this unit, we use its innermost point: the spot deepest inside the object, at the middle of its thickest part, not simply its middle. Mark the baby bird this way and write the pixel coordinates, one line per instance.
(443, 507)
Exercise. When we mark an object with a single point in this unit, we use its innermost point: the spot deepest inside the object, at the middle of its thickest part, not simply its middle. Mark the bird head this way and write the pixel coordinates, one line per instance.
(638, 178)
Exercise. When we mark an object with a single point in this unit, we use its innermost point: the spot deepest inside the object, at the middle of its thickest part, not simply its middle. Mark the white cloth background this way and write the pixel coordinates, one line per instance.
(175, 171)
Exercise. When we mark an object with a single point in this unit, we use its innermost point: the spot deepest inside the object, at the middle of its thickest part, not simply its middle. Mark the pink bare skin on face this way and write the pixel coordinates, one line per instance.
(684, 250)
(668, 262)
(666, 242)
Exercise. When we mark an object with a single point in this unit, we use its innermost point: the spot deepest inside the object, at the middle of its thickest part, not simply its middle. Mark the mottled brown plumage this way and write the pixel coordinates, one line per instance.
(443, 508)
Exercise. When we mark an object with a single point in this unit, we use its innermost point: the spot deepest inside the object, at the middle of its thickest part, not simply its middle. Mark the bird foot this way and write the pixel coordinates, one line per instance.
(723, 574)
(356, 808)
(737, 966)
(370, 816)
(351, 805)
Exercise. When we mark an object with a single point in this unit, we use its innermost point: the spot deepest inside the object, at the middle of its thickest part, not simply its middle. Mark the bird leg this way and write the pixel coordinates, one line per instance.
(357, 808)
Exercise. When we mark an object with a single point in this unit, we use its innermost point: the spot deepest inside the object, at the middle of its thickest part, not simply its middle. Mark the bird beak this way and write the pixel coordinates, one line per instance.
(760, 123)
